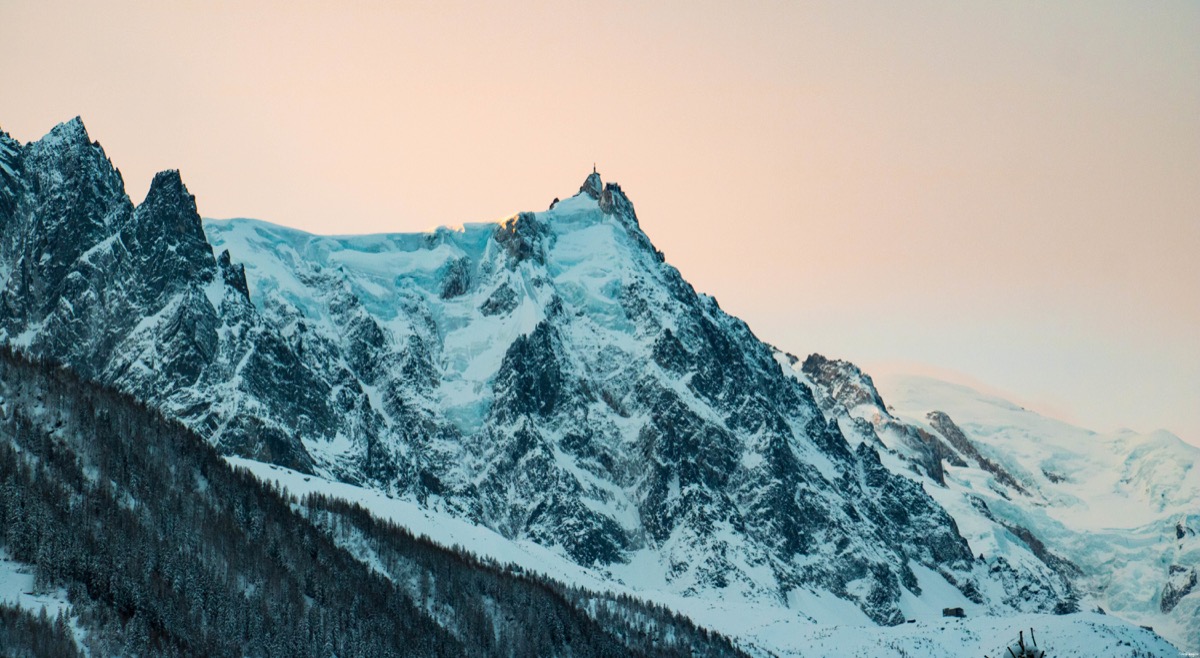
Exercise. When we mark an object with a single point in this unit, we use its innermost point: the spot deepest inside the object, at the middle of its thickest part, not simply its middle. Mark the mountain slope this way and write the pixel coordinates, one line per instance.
(1123, 507)
(1108, 520)
(813, 624)
(160, 548)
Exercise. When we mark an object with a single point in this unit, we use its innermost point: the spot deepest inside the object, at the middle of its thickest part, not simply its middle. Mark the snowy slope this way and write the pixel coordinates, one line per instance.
(1123, 507)
(17, 588)
(813, 624)
(1022, 572)
(1113, 516)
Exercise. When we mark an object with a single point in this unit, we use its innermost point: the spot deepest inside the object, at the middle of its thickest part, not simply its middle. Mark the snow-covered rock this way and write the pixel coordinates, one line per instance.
(1117, 514)
(552, 378)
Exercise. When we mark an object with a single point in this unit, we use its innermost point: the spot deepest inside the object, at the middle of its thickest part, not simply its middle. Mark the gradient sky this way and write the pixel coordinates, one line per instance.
(1006, 192)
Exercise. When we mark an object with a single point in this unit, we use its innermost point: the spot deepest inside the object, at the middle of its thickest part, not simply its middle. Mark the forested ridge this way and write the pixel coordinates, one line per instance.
(163, 549)
(436, 579)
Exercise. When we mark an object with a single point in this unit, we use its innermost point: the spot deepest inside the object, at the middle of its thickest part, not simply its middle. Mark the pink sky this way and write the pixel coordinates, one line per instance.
(1010, 190)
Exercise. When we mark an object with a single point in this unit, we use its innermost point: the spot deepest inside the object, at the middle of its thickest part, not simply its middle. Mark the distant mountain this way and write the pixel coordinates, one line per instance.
(1115, 515)
(1119, 513)
(549, 377)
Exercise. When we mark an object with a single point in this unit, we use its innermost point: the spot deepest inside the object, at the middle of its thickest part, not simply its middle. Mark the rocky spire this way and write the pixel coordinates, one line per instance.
(173, 207)
(166, 230)
(59, 197)
(592, 185)
(10, 152)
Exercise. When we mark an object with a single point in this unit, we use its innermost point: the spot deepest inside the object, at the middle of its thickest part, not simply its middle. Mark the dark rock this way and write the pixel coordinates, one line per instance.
(521, 237)
(669, 353)
(955, 436)
(457, 278)
(530, 381)
(848, 385)
(1181, 581)
(592, 185)
(234, 275)
(503, 300)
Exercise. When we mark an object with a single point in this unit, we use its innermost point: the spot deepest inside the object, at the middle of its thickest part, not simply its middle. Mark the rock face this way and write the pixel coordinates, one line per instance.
(936, 453)
(846, 383)
(134, 297)
(549, 377)
(1180, 583)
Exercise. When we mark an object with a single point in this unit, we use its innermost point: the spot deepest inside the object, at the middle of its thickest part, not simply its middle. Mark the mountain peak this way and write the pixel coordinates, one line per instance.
(167, 181)
(170, 200)
(169, 214)
(68, 132)
(592, 185)
(167, 191)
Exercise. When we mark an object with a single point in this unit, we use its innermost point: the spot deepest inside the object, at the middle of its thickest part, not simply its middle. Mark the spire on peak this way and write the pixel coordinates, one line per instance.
(592, 185)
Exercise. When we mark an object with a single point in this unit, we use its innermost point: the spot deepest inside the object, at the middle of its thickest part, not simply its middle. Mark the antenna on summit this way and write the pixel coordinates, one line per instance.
(593, 167)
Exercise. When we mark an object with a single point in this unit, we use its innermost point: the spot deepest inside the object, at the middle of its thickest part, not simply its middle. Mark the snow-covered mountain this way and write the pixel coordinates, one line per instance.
(1115, 515)
(1122, 509)
(136, 297)
(548, 377)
